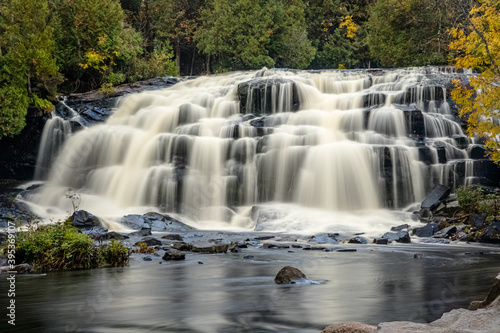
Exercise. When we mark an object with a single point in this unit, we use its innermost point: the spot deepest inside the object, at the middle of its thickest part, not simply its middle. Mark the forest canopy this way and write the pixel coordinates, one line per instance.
(62, 46)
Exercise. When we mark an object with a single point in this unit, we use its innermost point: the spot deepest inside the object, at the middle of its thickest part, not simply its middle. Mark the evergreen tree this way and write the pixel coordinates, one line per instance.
(28, 71)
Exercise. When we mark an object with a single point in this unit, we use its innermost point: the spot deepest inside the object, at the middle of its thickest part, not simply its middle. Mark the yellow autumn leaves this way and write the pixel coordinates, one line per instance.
(477, 45)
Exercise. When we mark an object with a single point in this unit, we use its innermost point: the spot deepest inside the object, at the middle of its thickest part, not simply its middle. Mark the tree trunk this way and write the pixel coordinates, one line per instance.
(192, 61)
(178, 54)
(208, 63)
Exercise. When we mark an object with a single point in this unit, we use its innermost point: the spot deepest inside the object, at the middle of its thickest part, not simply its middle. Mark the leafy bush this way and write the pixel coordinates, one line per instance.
(61, 246)
(469, 198)
(143, 248)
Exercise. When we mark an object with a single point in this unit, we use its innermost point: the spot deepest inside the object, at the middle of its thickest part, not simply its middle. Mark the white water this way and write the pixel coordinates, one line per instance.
(334, 146)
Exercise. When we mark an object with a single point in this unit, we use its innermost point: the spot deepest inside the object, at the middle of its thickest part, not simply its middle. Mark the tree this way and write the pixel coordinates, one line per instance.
(91, 38)
(477, 45)
(236, 33)
(290, 46)
(337, 29)
(409, 32)
(28, 71)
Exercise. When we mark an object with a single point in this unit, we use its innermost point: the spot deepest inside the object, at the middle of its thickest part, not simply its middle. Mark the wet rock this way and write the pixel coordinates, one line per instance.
(350, 327)
(491, 234)
(248, 257)
(418, 255)
(400, 237)
(107, 236)
(323, 239)
(156, 222)
(357, 240)
(174, 255)
(446, 232)
(150, 241)
(477, 220)
(437, 196)
(181, 246)
(347, 250)
(400, 227)
(145, 231)
(234, 248)
(19, 269)
(289, 275)
(82, 219)
(211, 246)
(275, 246)
(426, 231)
(174, 237)
(381, 241)
(477, 152)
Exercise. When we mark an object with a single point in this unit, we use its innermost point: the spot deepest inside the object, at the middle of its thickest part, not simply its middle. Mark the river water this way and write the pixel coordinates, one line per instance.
(228, 293)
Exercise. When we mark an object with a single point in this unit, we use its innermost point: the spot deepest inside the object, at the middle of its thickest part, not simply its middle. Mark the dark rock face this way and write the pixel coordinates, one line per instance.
(400, 237)
(82, 219)
(256, 95)
(174, 255)
(477, 220)
(426, 231)
(289, 275)
(18, 155)
(174, 237)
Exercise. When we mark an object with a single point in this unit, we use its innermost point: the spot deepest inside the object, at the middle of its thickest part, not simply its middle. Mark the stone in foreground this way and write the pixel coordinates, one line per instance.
(19, 269)
(289, 275)
(350, 327)
(174, 255)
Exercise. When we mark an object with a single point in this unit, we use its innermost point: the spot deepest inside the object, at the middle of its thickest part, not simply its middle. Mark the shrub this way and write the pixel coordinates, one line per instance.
(469, 198)
(61, 246)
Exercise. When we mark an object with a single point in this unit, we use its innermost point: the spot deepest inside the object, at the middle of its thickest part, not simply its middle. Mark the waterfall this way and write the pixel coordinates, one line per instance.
(207, 148)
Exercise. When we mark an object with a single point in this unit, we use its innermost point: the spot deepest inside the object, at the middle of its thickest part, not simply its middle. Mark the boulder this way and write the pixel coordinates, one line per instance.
(381, 241)
(477, 220)
(491, 234)
(155, 222)
(446, 232)
(400, 237)
(174, 237)
(19, 269)
(107, 236)
(289, 275)
(145, 231)
(357, 240)
(150, 241)
(400, 227)
(182, 246)
(211, 246)
(437, 196)
(174, 255)
(82, 219)
(426, 231)
(350, 327)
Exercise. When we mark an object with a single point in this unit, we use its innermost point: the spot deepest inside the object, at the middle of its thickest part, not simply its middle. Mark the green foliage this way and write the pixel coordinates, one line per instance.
(114, 254)
(239, 30)
(28, 71)
(469, 198)
(409, 33)
(142, 247)
(61, 246)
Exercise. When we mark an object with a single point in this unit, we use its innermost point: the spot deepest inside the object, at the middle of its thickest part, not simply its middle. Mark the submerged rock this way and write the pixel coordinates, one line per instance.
(289, 275)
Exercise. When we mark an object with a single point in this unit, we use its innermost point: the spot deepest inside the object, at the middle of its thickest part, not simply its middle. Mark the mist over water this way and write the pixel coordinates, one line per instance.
(323, 150)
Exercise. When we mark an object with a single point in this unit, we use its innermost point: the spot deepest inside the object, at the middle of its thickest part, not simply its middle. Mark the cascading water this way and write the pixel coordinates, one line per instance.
(338, 144)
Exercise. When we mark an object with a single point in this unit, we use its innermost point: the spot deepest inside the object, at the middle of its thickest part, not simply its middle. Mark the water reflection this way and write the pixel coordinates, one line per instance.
(230, 294)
